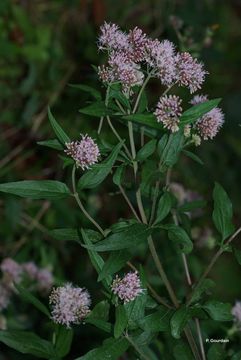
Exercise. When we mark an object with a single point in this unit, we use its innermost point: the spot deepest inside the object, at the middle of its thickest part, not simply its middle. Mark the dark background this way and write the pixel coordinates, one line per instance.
(46, 45)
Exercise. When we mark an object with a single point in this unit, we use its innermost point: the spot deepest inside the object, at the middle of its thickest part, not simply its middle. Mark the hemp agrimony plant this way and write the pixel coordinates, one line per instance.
(137, 319)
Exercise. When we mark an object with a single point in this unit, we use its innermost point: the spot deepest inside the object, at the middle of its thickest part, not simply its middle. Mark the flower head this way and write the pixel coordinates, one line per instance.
(127, 288)
(45, 280)
(236, 312)
(84, 152)
(111, 37)
(12, 271)
(4, 297)
(198, 99)
(190, 72)
(30, 269)
(161, 57)
(168, 111)
(70, 305)
(210, 123)
(137, 43)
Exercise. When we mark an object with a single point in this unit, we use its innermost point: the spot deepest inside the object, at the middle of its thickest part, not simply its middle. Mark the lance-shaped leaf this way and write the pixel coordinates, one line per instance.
(53, 144)
(193, 156)
(131, 236)
(36, 189)
(164, 206)
(157, 321)
(121, 321)
(191, 115)
(63, 341)
(218, 311)
(111, 349)
(59, 132)
(222, 212)
(88, 89)
(97, 174)
(30, 298)
(27, 342)
(180, 238)
(146, 151)
(96, 109)
(179, 321)
(199, 290)
(172, 149)
(144, 119)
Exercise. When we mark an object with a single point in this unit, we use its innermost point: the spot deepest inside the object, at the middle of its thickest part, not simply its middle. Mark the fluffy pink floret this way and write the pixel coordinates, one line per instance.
(127, 288)
(209, 124)
(70, 305)
(236, 312)
(111, 37)
(84, 152)
(168, 111)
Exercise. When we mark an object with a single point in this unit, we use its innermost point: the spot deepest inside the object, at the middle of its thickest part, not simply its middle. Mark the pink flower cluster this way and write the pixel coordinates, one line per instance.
(127, 288)
(168, 112)
(128, 51)
(70, 305)
(84, 152)
(236, 312)
(209, 124)
(40, 279)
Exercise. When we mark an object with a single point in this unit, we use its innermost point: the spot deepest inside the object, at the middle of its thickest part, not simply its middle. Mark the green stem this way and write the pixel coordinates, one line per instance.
(118, 136)
(143, 356)
(140, 92)
(81, 206)
(129, 203)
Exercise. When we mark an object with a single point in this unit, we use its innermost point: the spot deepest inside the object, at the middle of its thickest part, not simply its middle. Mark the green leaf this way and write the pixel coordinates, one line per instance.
(100, 324)
(164, 206)
(218, 311)
(97, 174)
(217, 352)
(53, 144)
(135, 309)
(96, 109)
(195, 112)
(157, 321)
(36, 189)
(27, 343)
(223, 212)
(119, 175)
(198, 291)
(131, 236)
(172, 149)
(179, 321)
(63, 341)
(162, 143)
(111, 349)
(121, 321)
(192, 205)
(100, 311)
(95, 258)
(144, 119)
(114, 263)
(59, 132)
(146, 151)
(115, 92)
(180, 239)
(88, 89)
(182, 352)
(30, 298)
(193, 156)
(65, 234)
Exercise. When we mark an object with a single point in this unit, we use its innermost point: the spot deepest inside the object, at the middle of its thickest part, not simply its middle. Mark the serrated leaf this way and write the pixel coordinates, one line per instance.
(63, 341)
(135, 309)
(157, 321)
(27, 296)
(53, 144)
(180, 238)
(96, 109)
(114, 263)
(119, 175)
(218, 311)
(198, 291)
(195, 112)
(179, 320)
(164, 207)
(217, 352)
(27, 342)
(88, 89)
(144, 119)
(222, 212)
(182, 352)
(95, 258)
(193, 156)
(59, 132)
(172, 149)
(36, 189)
(121, 321)
(129, 237)
(111, 349)
(99, 172)
(146, 151)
